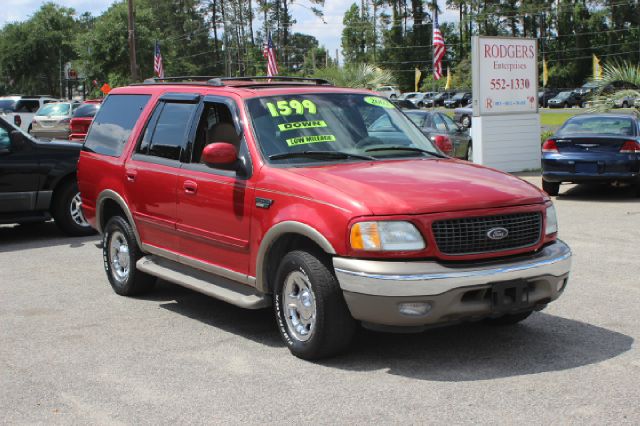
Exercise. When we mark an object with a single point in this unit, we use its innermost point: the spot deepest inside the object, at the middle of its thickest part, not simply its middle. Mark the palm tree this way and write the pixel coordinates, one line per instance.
(614, 74)
(362, 76)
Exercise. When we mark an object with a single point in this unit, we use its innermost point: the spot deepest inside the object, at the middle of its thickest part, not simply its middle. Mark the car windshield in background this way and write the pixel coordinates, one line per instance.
(458, 96)
(563, 95)
(349, 125)
(54, 109)
(7, 105)
(618, 126)
(86, 110)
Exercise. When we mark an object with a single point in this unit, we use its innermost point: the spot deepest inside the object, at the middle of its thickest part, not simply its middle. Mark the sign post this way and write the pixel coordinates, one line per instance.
(506, 121)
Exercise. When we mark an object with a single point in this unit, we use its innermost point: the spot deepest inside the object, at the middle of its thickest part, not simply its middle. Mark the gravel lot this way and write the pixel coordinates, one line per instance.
(72, 351)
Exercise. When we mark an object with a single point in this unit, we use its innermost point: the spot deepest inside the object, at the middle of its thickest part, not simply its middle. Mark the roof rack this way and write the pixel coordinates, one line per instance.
(242, 81)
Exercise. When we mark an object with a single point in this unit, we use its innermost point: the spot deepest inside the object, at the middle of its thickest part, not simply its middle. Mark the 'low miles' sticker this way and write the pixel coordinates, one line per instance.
(310, 139)
(301, 125)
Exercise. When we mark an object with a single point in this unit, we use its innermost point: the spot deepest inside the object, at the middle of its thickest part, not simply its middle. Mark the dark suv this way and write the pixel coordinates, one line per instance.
(38, 180)
(326, 203)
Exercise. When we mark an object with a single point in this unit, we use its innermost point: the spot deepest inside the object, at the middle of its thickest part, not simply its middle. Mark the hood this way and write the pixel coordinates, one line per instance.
(420, 186)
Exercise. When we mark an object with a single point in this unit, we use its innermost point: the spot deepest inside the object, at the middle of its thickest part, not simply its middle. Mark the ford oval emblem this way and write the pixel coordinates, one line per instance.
(497, 233)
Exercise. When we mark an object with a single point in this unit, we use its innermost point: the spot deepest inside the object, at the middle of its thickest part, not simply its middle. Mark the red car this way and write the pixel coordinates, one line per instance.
(281, 192)
(82, 118)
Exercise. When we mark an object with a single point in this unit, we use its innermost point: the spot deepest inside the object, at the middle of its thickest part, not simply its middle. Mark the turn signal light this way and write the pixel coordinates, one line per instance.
(549, 146)
(630, 147)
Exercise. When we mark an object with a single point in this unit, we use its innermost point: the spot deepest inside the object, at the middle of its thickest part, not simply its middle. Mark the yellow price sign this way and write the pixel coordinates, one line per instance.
(286, 108)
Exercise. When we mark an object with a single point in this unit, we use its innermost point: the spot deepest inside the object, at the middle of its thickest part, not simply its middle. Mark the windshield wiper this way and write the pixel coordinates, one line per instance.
(330, 155)
(404, 148)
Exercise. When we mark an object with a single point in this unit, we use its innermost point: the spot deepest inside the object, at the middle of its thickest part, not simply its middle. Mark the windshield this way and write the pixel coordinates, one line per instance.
(54, 109)
(355, 124)
(458, 96)
(7, 105)
(563, 95)
(618, 126)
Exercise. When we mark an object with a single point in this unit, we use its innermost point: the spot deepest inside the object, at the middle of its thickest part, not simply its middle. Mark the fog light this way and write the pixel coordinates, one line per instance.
(415, 309)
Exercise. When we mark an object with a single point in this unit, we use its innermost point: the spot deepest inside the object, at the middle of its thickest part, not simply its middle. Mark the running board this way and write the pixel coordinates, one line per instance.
(203, 282)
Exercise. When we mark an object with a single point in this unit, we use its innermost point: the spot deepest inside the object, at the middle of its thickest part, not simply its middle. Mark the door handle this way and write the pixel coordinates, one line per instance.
(190, 187)
(131, 175)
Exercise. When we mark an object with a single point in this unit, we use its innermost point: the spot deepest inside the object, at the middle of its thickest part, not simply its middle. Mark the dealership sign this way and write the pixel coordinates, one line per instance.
(505, 75)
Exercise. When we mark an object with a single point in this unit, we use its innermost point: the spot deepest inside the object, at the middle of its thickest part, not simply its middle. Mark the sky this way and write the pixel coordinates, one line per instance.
(327, 34)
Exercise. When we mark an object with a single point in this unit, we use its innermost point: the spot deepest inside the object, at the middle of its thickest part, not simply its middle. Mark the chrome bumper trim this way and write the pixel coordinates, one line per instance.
(386, 278)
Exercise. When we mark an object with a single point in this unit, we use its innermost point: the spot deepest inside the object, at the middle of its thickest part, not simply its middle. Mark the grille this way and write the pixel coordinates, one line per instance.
(469, 235)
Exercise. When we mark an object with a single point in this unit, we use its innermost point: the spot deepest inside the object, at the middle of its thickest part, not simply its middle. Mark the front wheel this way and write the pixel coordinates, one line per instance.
(551, 188)
(312, 316)
(66, 209)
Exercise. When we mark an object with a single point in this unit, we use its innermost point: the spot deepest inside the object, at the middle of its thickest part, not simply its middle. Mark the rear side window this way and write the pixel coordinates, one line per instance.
(113, 123)
(86, 110)
(170, 134)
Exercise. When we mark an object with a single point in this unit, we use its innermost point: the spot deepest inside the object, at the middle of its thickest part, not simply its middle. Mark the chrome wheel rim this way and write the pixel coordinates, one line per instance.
(299, 306)
(75, 209)
(119, 256)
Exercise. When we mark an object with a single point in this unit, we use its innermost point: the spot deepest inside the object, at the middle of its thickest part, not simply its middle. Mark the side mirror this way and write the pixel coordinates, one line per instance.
(219, 154)
(17, 140)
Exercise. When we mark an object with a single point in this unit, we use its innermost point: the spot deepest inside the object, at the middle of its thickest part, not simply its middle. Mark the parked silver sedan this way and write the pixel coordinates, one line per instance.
(52, 120)
(436, 123)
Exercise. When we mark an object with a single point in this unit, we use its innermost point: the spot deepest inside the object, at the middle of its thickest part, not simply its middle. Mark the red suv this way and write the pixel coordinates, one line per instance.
(279, 192)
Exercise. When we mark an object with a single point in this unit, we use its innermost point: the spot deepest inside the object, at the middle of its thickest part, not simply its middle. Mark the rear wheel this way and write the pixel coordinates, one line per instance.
(565, 105)
(120, 252)
(469, 152)
(66, 209)
(625, 104)
(509, 319)
(313, 318)
(551, 188)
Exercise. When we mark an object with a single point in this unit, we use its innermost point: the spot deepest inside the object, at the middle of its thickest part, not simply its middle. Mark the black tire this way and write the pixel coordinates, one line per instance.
(420, 105)
(393, 97)
(625, 104)
(508, 319)
(119, 240)
(331, 327)
(469, 155)
(551, 188)
(66, 209)
(565, 105)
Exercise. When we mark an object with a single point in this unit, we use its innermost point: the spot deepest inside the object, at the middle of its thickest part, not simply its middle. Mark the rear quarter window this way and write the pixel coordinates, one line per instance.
(113, 123)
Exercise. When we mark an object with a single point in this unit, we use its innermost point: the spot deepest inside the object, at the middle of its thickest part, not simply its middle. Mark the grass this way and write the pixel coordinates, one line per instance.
(556, 119)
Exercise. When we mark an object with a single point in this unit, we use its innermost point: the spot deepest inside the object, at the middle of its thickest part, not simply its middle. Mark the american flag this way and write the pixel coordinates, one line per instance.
(270, 53)
(439, 48)
(158, 68)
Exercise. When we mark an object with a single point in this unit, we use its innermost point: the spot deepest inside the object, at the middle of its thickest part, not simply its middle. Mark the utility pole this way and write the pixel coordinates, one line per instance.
(61, 72)
(132, 43)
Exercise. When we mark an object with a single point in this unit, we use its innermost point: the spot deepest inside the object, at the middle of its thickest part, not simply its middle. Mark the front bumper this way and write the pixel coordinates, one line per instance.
(374, 290)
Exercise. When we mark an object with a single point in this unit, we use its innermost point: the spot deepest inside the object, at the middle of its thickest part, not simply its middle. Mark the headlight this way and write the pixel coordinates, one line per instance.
(552, 221)
(386, 236)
